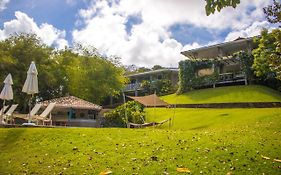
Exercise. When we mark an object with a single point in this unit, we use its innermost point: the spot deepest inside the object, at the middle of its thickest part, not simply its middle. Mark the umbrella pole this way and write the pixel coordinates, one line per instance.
(29, 108)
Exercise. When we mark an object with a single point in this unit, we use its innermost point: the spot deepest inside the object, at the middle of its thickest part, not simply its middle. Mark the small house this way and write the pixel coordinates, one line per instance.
(73, 111)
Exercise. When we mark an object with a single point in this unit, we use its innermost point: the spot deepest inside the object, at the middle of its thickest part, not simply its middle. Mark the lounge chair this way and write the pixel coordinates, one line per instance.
(8, 116)
(2, 111)
(32, 113)
(46, 115)
(34, 110)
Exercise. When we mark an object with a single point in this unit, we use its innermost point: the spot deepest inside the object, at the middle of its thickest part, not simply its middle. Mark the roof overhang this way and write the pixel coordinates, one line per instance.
(221, 50)
(153, 72)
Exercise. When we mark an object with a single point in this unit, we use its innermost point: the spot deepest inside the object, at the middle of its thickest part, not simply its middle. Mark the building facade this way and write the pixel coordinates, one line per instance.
(225, 64)
(135, 80)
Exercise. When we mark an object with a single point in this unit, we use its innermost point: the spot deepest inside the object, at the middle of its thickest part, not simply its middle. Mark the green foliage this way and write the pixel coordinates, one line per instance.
(128, 112)
(161, 87)
(17, 52)
(228, 94)
(157, 67)
(80, 71)
(246, 62)
(90, 77)
(273, 12)
(267, 56)
(188, 74)
(213, 5)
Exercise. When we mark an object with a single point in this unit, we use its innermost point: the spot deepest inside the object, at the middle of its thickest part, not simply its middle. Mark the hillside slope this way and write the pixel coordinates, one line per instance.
(251, 93)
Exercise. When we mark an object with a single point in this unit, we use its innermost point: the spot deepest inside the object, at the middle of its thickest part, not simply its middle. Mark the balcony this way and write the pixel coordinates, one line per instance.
(132, 87)
(231, 78)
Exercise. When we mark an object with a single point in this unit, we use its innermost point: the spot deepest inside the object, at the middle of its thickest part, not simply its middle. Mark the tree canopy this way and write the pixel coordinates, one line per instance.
(267, 56)
(78, 71)
(273, 13)
(216, 5)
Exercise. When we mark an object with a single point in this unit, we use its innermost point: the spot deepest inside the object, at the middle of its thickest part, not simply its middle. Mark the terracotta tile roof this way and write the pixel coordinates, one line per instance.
(72, 102)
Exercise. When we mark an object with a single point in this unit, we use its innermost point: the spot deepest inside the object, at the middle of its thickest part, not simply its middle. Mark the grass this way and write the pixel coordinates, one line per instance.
(205, 141)
(252, 93)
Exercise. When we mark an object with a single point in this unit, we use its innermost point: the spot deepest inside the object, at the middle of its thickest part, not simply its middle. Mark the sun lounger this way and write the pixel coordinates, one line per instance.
(32, 113)
(34, 110)
(8, 116)
(2, 111)
(46, 115)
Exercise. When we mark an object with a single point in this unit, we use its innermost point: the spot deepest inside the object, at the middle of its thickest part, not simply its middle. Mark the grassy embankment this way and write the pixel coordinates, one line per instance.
(208, 141)
(253, 93)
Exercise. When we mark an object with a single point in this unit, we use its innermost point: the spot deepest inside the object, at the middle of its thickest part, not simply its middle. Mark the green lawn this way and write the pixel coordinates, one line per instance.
(252, 93)
(205, 141)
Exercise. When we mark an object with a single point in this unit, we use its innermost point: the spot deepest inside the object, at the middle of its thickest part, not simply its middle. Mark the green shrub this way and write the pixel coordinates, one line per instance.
(128, 112)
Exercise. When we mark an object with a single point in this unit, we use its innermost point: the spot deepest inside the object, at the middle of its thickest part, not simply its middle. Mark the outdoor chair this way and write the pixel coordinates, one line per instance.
(3, 109)
(32, 113)
(8, 116)
(46, 115)
(34, 110)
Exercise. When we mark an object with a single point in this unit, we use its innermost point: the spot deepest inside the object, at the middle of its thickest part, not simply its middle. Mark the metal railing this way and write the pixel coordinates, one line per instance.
(132, 87)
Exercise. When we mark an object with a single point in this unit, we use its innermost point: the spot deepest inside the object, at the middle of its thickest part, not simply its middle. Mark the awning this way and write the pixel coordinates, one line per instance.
(150, 101)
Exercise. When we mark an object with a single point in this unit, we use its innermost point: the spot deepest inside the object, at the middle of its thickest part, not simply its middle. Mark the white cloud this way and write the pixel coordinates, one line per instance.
(3, 4)
(251, 31)
(150, 41)
(24, 24)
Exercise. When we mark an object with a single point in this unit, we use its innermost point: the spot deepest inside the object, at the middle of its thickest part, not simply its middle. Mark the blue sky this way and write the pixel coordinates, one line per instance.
(144, 32)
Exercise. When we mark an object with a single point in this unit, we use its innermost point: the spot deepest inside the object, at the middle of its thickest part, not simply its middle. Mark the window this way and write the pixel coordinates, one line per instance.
(82, 115)
(92, 114)
(204, 72)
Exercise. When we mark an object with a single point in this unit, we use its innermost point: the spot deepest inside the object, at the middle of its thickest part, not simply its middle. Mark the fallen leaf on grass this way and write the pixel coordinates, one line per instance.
(276, 160)
(264, 157)
(106, 172)
(183, 170)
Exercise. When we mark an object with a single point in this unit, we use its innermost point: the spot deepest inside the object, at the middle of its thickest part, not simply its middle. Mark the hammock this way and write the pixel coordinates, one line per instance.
(134, 125)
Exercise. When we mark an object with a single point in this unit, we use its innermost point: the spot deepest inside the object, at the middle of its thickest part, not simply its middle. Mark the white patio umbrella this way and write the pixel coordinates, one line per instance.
(31, 84)
(7, 92)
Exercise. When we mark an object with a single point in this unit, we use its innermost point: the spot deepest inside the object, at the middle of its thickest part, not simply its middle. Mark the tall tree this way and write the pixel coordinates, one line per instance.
(79, 72)
(267, 56)
(90, 77)
(18, 51)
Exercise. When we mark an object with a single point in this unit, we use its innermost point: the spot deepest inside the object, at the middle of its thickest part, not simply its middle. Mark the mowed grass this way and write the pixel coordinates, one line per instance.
(204, 141)
(251, 93)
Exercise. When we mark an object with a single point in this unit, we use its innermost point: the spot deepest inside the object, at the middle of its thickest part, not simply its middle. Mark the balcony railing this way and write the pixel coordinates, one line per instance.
(133, 87)
(231, 77)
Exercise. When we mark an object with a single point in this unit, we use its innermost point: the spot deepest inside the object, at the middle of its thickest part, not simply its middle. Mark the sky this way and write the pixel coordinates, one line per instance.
(140, 32)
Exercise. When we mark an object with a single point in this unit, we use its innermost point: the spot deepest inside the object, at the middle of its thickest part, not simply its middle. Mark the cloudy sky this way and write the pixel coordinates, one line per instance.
(141, 32)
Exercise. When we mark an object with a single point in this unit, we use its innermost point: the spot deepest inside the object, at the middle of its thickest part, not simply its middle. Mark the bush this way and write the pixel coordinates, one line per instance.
(162, 87)
(128, 112)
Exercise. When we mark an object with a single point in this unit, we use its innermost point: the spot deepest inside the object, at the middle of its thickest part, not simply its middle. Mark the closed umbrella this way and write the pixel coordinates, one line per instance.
(31, 84)
(7, 92)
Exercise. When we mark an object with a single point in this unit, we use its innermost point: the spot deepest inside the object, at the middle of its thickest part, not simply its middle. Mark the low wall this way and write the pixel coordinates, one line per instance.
(230, 105)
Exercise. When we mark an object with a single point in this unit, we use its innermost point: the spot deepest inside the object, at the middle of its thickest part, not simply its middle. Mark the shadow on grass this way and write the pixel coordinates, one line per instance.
(200, 127)
(11, 137)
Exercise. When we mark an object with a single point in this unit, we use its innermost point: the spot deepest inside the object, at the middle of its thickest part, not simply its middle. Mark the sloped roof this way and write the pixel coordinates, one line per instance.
(150, 101)
(153, 72)
(72, 102)
(220, 50)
